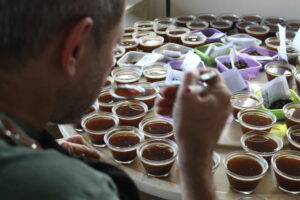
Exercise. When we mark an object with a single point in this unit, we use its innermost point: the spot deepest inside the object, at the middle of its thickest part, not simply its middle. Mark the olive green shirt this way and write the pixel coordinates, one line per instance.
(48, 175)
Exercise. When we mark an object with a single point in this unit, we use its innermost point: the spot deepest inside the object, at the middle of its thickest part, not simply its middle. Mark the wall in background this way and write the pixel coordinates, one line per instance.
(288, 9)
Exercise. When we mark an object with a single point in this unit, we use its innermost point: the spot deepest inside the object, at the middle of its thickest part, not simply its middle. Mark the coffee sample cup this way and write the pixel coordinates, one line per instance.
(293, 136)
(256, 120)
(157, 156)
(292, 114)
(149, 43)
(96, 125)
(123, 142)
(174, 34)
(244, 171)
(258, 31)
(183, 20)
(221, 25)
(208, 17)
(193, 40)
(286, 167)
(144, 25)
(261, 143)
(130, 113)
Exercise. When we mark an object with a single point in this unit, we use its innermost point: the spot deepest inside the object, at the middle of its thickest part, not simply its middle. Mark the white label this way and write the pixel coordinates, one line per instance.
(296, 41)
(275, 90)
(170, 53)
(282, 48)
(214, 51)
(216, 35)
(234, 80)
(262, 58)
(191, 61)
(148, 59)
(233, 57)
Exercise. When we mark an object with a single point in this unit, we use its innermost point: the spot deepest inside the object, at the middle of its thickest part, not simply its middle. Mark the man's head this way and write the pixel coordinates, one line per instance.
(62, 46)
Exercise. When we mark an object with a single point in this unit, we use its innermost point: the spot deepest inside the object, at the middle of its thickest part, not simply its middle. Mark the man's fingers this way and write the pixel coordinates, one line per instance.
(169, 92)
(165, 102)
(84, 150)
(166, 111)
(77, 139)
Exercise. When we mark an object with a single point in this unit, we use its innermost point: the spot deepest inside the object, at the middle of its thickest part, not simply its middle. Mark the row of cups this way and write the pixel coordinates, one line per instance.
(157, 155)
(152, 142)
(202, 21)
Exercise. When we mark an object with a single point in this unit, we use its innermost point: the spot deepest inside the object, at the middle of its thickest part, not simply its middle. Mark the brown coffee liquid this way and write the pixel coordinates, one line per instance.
(127, 92)
(291, 167)
(124, 140)
(107, 83)
(130, 110)
(158, 128)
(296, 137)
(229, 18)
(100, 124)
(197, 25)
(275, 21)
(261, 144)
(106, 98)
(145, 26)
(294, 25)
(207, 18)
(252, 19)
(257, 29)
(220, 23)
(129, 30)
(177, 32)
(243, 102)
(192, 39)
(148, 92)
(128, 43)
(158, 152)
(256, 120)
(292, 113)
(244, 166)
(274, 42)
(162, 29)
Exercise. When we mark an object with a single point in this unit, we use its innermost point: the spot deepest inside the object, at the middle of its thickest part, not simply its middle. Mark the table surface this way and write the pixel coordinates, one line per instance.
(168, 188)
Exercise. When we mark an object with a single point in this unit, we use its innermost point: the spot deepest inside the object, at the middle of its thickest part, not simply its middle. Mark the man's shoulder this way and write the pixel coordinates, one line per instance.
(49, 173)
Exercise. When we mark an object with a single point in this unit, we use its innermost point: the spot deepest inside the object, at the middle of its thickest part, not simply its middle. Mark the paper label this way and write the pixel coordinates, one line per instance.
(233, 57)
(216, 35)
(282, 48)
(214, 51)
(296, 41)
(234, 80)
(170, 53)
(275, 90)
(262, 58)
(173, 75)
(191, 61)
(148, 59)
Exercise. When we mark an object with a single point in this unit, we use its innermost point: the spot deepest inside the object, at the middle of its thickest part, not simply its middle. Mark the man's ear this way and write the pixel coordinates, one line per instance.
(73, 45)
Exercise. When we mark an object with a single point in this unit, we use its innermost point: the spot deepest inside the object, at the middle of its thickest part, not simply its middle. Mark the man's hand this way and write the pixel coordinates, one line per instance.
(76, 145)
(199, 120)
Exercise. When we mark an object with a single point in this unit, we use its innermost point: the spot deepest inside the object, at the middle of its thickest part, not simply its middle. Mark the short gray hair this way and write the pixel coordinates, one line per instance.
(27, 26)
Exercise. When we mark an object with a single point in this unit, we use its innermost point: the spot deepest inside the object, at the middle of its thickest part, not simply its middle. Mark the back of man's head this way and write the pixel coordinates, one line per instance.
(27, 26)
